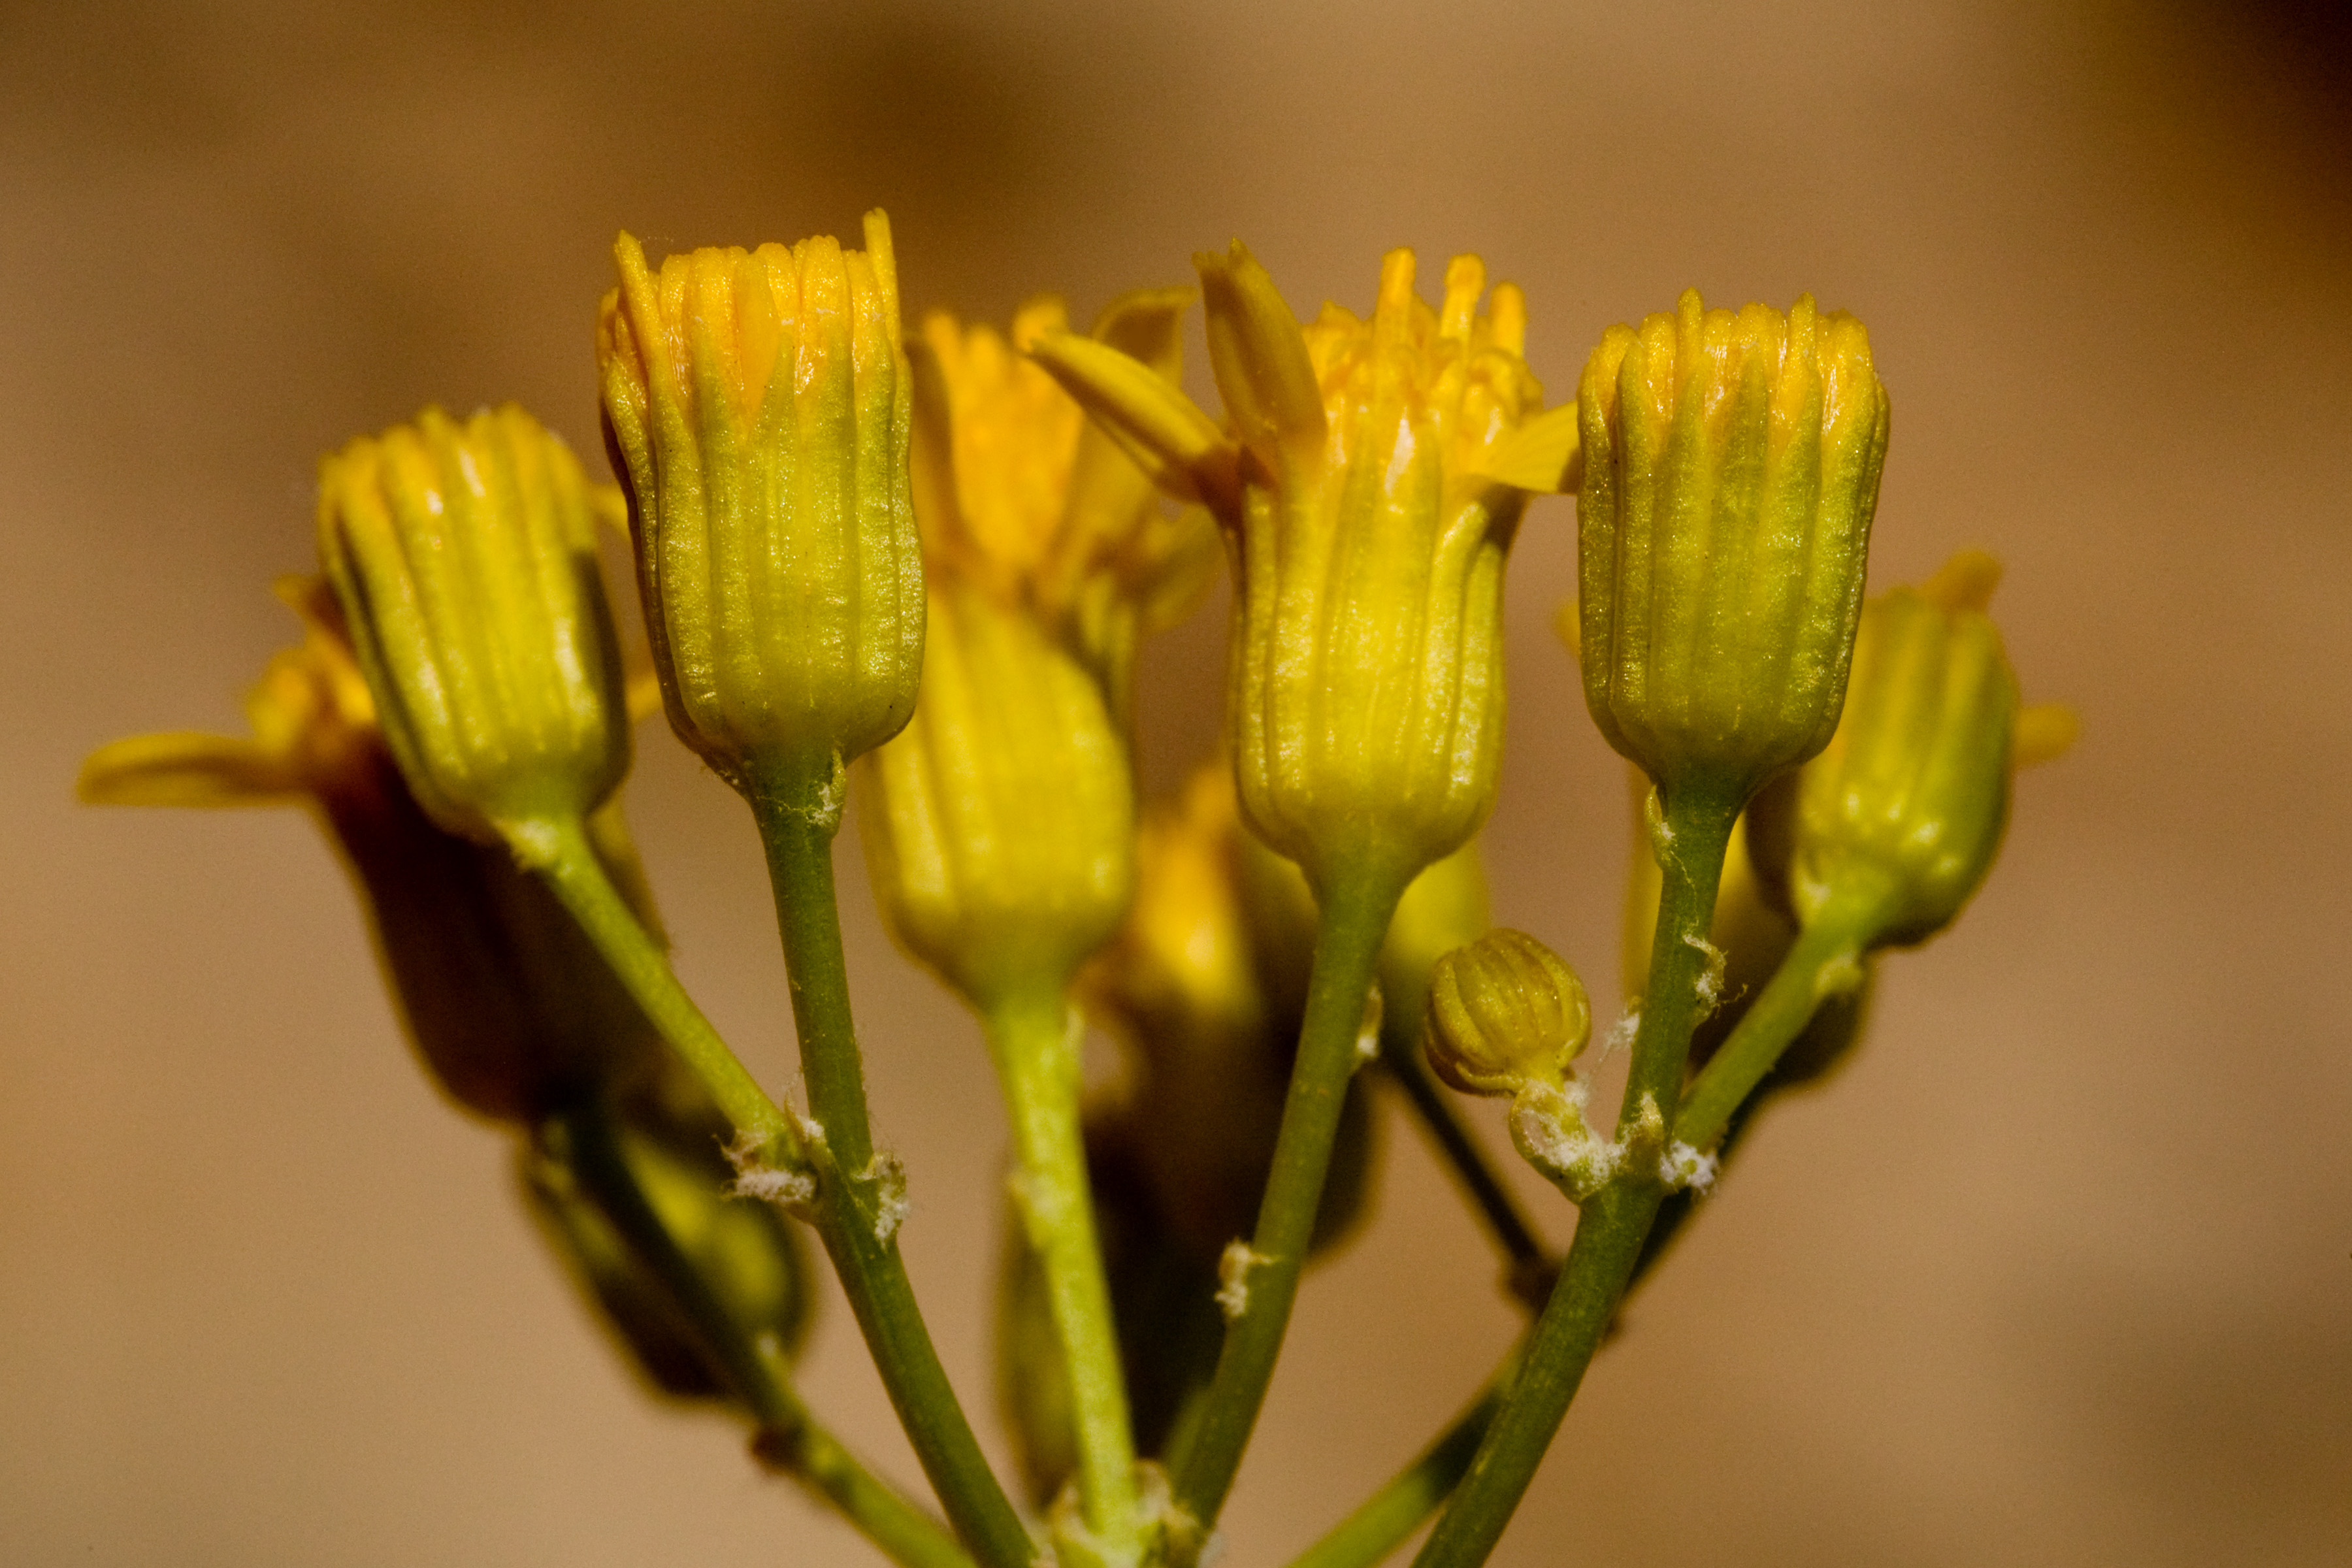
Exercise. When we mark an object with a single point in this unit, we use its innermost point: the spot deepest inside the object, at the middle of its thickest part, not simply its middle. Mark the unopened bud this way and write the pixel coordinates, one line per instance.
(464, 560)
(759, 407)
(1896, 824)
(1504, 1012)
(1730, 471)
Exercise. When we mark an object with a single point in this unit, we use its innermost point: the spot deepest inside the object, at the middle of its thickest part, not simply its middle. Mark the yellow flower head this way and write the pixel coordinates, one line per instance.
(1015, 491)
(761, 409)
(1371, 477)
(464, 558)
(509, 1005)
(1731, 472)
(1896, 824)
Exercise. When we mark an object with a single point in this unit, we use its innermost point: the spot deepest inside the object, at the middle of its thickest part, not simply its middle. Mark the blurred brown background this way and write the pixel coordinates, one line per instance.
(2060, 1272)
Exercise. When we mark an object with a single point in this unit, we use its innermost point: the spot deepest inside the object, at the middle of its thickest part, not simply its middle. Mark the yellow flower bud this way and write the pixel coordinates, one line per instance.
(1896, 824)
(1374, 477)
(759, 406)
(465, 558)
(1504, 1012)
(999, 826)
(511, 1009)
(1730, 471)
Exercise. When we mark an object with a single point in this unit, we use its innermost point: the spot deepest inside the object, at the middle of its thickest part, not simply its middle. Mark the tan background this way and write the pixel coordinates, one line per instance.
(2060, 1273)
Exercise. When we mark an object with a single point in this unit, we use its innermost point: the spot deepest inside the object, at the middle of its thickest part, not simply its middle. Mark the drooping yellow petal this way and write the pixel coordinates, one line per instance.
(186, 768)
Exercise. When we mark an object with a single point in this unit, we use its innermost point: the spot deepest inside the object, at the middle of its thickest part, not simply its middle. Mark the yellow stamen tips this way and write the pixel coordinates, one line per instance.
(1895, 825)
(1729, 472)
(1012, 434)
(761, 408)
(464, 556)
(1370, 535)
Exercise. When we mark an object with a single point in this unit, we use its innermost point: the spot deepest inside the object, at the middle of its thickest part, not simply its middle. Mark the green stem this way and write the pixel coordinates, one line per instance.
(859, 1198)
(1392, 1514)
(1827, 957)
(1531, 1267)
(1036, 1052)
(1616, 1219)
(560, 853)
(1354, 919)
(790, 1439)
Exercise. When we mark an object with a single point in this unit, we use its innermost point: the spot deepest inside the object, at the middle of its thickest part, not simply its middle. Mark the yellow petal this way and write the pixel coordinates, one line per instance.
(1163, 430)
(1259, 356)
(1543, 455)
(2043, 734)
(184, 768)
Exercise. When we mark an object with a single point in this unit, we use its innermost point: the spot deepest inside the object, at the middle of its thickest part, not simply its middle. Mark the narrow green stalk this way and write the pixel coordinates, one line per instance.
(790, 1439)
(1531, 1267)
(860, 1200)
(1616, 1219)
(1392, 1514)
(562, 855)
(1827, 957)
(1036, 1052)
(1263, 1283)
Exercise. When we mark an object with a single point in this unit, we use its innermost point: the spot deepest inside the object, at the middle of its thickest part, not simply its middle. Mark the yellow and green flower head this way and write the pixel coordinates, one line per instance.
(759, 410)
(464, 558)
(1505, 1012)
(1371, 478)
(999, 824)
(1730, 471)
(1894, 826)
(1016, 490)
(509, 1005)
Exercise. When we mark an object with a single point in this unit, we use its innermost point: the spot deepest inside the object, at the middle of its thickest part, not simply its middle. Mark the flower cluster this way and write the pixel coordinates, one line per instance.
(920, 571)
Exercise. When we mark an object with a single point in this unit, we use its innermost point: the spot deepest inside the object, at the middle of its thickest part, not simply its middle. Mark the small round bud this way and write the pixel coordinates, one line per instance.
(758, 409)
(1731, 466)
(1504, 1012)
(464, 560)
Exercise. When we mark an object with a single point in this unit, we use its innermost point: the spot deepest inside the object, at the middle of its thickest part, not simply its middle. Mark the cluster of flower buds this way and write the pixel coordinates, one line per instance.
(925, 568)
